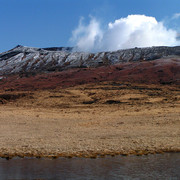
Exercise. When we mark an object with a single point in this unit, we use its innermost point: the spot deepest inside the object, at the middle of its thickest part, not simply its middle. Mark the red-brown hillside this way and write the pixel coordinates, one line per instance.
(161, 71)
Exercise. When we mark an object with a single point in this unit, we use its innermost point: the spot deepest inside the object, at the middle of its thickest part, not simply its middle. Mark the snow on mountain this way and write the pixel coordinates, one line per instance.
(23, 59)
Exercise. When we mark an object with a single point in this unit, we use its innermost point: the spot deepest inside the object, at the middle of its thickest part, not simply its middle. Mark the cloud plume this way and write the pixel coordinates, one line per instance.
(129, 32)
(176, 16)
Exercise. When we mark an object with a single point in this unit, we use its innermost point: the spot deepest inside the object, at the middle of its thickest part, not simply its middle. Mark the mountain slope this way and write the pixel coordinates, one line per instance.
(27, 60)
(162, 71)
(24, 68)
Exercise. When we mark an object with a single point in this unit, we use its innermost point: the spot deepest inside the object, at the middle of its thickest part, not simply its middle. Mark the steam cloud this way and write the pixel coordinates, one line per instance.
(129, 32)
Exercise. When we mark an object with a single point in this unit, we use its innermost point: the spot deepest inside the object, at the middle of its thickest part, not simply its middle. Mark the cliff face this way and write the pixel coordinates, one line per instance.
(27, 60)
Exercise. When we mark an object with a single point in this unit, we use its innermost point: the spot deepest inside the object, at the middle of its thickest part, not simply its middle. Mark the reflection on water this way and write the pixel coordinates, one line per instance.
(159, 166)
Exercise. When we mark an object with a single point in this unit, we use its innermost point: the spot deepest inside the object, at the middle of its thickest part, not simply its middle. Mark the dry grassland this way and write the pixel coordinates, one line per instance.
(90, 120)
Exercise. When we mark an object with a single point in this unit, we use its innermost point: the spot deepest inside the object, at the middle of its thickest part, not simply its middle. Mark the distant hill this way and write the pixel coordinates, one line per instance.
(23, 59)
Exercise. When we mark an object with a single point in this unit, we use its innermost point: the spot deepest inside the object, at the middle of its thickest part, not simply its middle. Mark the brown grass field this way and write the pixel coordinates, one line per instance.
(90, 120)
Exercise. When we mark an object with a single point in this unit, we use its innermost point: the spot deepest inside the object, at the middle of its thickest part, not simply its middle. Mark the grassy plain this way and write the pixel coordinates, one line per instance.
(90, 120)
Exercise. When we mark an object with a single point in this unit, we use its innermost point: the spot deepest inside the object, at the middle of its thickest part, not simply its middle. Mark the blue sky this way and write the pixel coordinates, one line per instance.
(45, 23)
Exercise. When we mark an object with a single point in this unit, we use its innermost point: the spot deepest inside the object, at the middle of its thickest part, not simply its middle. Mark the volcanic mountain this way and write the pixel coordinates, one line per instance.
(36, 68)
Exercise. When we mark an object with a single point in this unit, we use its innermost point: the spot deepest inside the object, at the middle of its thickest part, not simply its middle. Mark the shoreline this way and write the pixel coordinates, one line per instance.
(92, 155)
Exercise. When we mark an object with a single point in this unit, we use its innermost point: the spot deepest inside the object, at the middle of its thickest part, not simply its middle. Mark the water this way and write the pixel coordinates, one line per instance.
(159, 166)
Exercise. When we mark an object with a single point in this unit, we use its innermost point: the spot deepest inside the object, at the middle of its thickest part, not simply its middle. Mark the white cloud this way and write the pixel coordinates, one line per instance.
(86, 37)
(129, 32)
(176, 16)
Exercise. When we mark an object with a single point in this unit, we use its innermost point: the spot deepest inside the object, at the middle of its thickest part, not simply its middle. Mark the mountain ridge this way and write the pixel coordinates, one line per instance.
(22, 59)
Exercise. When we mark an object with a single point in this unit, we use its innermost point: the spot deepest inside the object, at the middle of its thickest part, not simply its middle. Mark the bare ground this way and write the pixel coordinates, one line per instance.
(90, 120)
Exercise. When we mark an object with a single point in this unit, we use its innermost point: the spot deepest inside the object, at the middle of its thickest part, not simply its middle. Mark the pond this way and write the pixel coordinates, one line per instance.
(158, 166)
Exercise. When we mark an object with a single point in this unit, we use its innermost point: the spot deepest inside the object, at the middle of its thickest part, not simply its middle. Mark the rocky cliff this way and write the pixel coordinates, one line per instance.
(27, 60)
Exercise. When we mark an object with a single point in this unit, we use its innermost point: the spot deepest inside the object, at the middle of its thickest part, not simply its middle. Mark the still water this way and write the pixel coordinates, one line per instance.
(160, 166)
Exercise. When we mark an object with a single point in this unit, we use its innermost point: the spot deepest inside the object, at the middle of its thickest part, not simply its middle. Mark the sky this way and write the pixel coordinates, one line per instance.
(87, 24)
